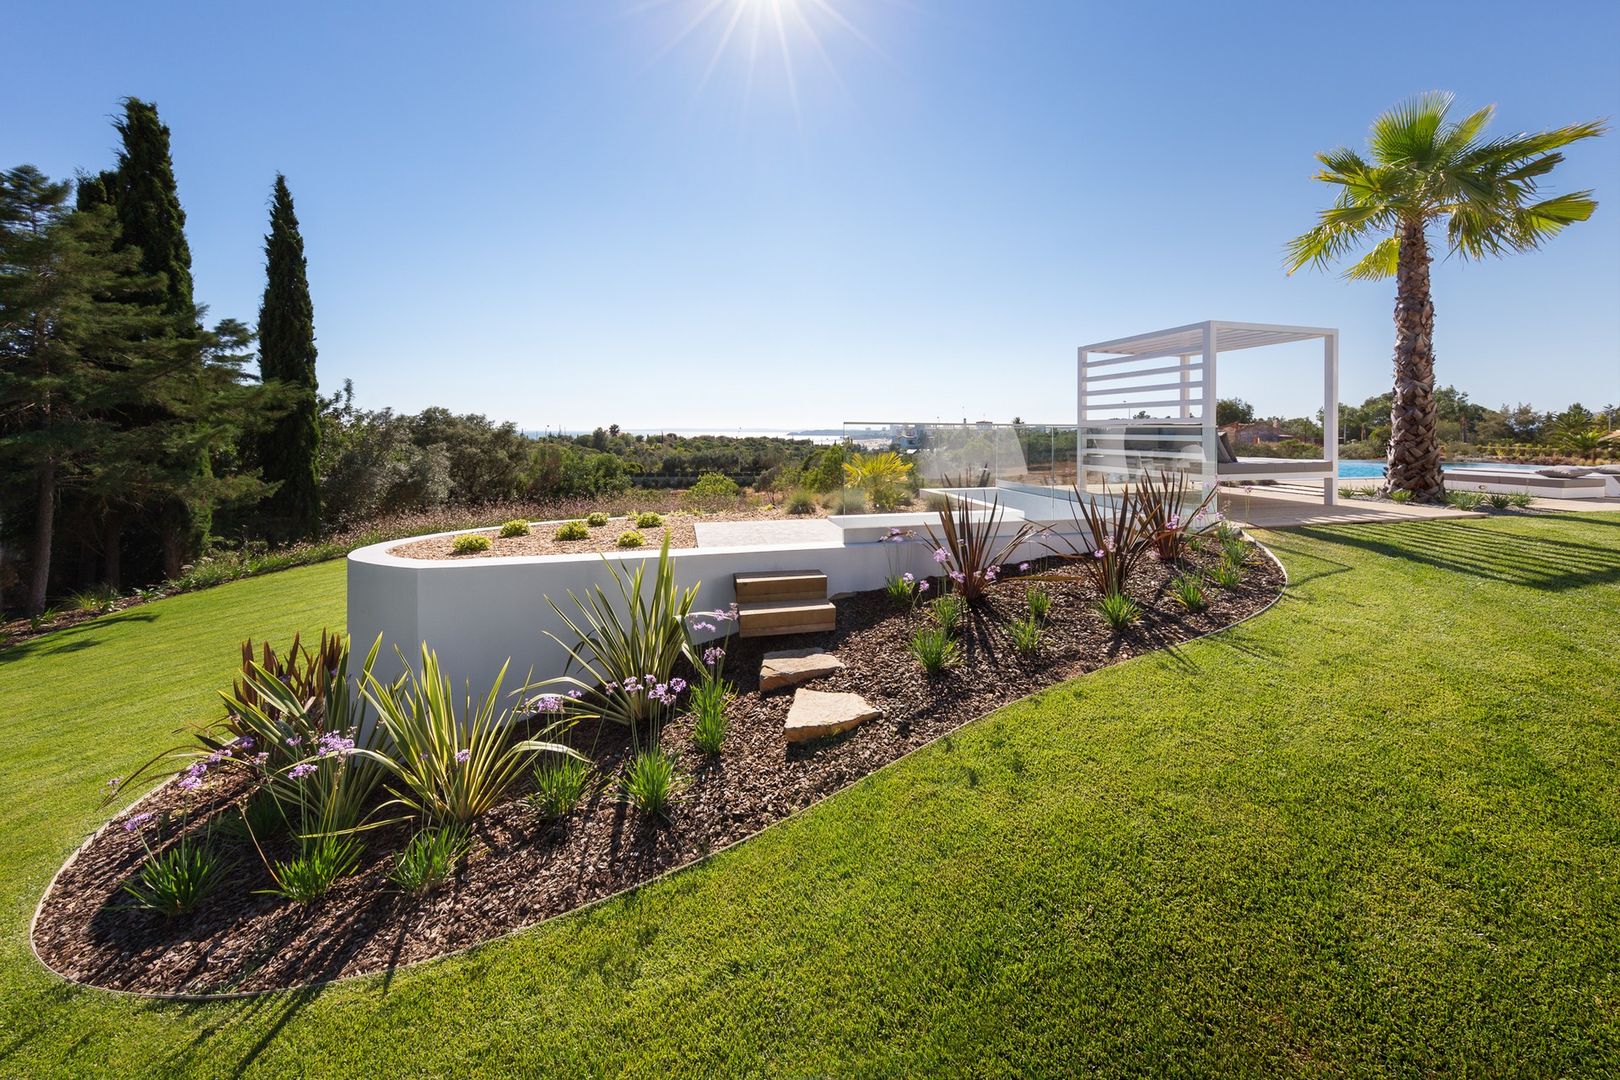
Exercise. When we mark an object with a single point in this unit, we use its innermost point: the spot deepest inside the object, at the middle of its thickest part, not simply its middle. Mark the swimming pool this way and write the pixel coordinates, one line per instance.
(1374, 470)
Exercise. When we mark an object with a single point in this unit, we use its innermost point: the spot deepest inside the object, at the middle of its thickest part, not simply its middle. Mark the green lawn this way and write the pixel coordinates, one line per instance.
(1375, 830)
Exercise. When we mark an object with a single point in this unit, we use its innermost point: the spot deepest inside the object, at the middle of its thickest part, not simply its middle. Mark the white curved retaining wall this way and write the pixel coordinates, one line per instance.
(478, 612)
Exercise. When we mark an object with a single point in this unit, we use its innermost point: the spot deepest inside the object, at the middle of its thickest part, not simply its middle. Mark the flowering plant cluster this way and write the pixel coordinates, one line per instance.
(970, 547)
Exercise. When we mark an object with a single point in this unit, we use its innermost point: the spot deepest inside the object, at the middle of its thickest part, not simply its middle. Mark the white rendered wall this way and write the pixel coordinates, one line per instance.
(476, 613)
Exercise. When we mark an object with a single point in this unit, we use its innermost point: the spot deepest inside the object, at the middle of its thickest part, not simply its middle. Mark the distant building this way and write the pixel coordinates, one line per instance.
(1263, 431)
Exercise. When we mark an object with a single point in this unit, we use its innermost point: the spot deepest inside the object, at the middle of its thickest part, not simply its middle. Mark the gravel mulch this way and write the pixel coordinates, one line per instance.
(679, 526)
(524, 869)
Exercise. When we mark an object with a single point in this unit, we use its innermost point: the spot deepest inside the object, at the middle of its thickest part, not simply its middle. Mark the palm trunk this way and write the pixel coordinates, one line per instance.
(1414, 445)
(44, 531)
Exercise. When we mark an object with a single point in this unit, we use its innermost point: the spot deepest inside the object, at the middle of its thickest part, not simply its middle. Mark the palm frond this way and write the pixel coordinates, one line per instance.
(1379, 263)
(1408, 134)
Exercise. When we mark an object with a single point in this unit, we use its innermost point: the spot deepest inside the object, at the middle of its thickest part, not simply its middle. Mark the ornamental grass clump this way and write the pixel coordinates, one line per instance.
(1119, 537)
(967, 546)
(1465, 500)
(322, 860)
(801, 502)
(630, 538)
(948, 611)
(1228, 575)
(1039, 601)
(650, 781)
(514, 528)
(559, 785)
(572, 530)
(1119, 611)
(470, 544)
(708, 708)
(624, 648)
(1026, 634)
(935, 649)
(175, 880)
(450, 761)
(1187, 592)
(429, 858)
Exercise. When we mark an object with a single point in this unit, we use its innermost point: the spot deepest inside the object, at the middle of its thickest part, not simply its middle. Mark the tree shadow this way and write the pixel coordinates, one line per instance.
(1465, 547)
(70, 638)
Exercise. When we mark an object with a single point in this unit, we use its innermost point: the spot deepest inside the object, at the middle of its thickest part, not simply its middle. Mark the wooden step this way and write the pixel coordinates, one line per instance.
(769, 586)
(786, 617)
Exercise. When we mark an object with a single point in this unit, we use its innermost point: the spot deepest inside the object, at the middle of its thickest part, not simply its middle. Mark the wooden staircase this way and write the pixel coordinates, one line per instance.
(771, 602)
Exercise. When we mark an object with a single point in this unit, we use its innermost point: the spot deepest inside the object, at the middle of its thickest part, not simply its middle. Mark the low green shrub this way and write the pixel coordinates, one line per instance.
(935, 649)
(630, 538)
(948, 610)
(649, 520)
(847, 501)
(177, 879)
(1119, 610)
(1519, 500)
(94, 600)
(649, 782)
(1362, 492)
(320, 862)
(1228, 575)
(597, 519)
(801, 502)
(470, 544)
(1401, 495)
(429, 858)
(1187, 592)
(713, 491)
(514, 528)
(1465, 500)
(1026, 634)
(901, 588)
(559, 785)
(1498, 500)
(572, 530)
(708, 708)
(261, 817)
(1039, 601)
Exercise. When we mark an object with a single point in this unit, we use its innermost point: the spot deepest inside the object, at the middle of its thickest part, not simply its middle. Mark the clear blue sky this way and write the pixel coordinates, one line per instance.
(570, 213)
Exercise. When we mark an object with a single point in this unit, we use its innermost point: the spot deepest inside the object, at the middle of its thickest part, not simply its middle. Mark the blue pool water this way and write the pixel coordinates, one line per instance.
(1374, 470)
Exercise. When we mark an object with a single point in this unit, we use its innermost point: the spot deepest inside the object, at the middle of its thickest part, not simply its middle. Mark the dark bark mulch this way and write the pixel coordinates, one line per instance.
(524, 869)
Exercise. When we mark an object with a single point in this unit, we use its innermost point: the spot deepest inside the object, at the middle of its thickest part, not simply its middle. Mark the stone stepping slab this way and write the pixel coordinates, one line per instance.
(790, 667)
(817, 713)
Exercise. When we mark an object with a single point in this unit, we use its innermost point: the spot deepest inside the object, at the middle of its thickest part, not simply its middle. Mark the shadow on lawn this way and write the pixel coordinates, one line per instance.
(1537, 562)
(70, 638)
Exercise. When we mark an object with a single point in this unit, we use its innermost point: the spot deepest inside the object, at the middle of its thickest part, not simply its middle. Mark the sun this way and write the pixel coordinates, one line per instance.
(763, 37)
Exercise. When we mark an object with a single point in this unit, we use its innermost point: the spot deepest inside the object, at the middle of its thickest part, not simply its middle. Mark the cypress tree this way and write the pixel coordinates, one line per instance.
(289, 449)
(144, 193)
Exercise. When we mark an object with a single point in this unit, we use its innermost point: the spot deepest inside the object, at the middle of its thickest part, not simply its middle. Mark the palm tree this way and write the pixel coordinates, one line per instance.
(1426, 171)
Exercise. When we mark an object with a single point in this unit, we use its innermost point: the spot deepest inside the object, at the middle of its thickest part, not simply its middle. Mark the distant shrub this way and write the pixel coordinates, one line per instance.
(1119, 610)
(713, 491)
(935, 649)
(514, 528)
(1401, 495)
(1346, 491)
(1519, 500)
(1465, 500)
(801, 502)
(848, 501)
(94, 600)
(597, 520)
(471, 544)
(572, 530)
(630, 538)
(1498, 500)
(649, 520)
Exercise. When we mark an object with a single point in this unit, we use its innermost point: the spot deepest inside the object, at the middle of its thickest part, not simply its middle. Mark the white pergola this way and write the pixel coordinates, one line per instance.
(1170, 376)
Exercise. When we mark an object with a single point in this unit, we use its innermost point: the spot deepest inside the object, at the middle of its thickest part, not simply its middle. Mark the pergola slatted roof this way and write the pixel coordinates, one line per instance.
(1189, 340)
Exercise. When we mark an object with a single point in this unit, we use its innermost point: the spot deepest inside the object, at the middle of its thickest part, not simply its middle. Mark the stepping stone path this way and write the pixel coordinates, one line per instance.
(790, 667)
(815, 713)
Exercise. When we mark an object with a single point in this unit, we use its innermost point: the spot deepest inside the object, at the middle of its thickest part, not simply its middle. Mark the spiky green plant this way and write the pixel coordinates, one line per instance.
(1026, 634)
(650, 782)
(175, 880)
(935, 649)
(429, 858)
(708, 705)
(559, 785)
(1119, 610)
(1187, 592)
(449, 761)
(618, 640)
(966, 545)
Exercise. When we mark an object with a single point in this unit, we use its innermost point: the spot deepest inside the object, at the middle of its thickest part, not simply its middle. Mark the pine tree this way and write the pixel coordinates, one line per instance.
(289, 450)
(69, 298)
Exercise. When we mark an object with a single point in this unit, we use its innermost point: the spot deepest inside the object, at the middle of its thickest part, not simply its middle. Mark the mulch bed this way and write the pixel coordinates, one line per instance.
(679, 526)
(524, 869)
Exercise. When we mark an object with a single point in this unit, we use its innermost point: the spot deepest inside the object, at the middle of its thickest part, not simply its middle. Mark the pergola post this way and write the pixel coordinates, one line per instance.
(1330, 416)
(1080, 428)
(1211, 434)
(1186, 386)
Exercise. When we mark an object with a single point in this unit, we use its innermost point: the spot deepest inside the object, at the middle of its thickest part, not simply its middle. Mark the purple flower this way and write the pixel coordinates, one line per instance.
(245, 742)
(332, 744)
(462, 756)
(1023, 568)
(296, 740)
(262, 758)
(197, 769)
(548, 703)
(713, 656)
(189, 783)
(677, 685)
(135, 822)
(958, 577)
(1100, 553)
(908, 579)
(1174, 522)
(114, 782)
(576, 694)
(922, 586)
(709, 626)
(632, 685)
(941, 556)
(301, 770)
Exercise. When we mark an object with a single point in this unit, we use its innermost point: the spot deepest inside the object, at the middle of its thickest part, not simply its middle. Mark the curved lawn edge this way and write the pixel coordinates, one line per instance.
(512, 932)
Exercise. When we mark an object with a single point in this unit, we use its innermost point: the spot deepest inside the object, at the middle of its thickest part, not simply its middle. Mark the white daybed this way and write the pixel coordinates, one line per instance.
(1593, 485)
